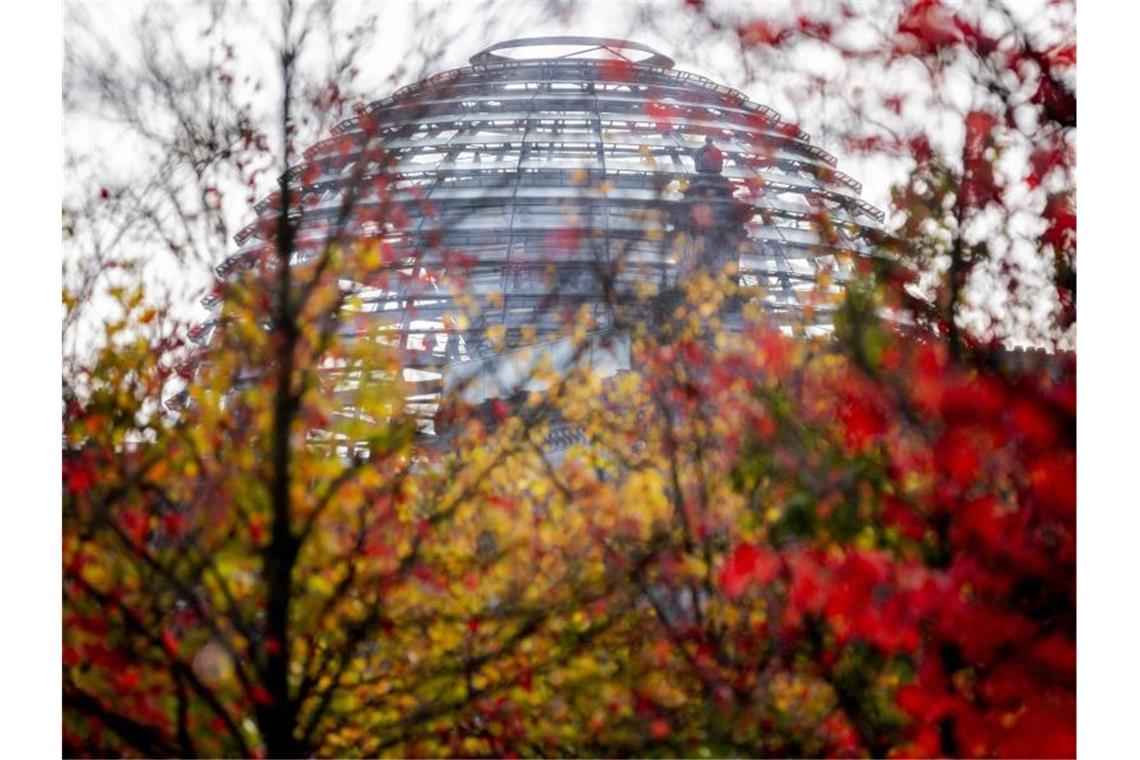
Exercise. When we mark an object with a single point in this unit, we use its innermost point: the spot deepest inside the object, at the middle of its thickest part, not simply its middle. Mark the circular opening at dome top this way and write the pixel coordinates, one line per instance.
(572, 49)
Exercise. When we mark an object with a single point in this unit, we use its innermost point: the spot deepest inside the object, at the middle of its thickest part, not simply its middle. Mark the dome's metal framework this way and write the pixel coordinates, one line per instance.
(557, 167)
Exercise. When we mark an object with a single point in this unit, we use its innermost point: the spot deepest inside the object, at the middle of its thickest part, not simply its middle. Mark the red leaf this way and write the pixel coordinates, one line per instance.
(126, 681)
(173, 524)
(978, 398)
(920, 149)
(256, 532)
(1053, 481)
(747, 564)
(505, 503)
(900, 515)
(1062, 230)
(761, 32)
(980, 520)
(774, 352)
(564, 241)
(1059, 104)
(1058, 654)
(1033, 423)
(260, 695)
(1064, 55)
(862, 421)
(79, 476)
(813, 28)
(615, 69)
(979, 125)
(311, 173)
(135, 525)
(807, 592)
(961, 456)
(1042, 161)
(169, 642)
(979, 186)
(929, 27)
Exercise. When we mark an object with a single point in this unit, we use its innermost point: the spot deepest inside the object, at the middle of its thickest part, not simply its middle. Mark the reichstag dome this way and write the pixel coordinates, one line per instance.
(558, 173)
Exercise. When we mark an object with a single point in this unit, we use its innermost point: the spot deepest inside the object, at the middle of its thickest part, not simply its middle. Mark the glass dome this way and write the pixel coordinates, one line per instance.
(554, 174)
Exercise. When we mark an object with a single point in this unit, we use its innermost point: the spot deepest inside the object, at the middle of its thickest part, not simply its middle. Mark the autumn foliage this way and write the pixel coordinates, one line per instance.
(762, 542)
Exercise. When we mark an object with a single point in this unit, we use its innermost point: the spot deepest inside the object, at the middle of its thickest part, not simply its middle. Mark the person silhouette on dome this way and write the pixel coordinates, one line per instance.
(709, 159)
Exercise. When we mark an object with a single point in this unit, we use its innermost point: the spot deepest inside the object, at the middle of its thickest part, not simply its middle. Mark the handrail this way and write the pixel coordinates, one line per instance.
(490, 55)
